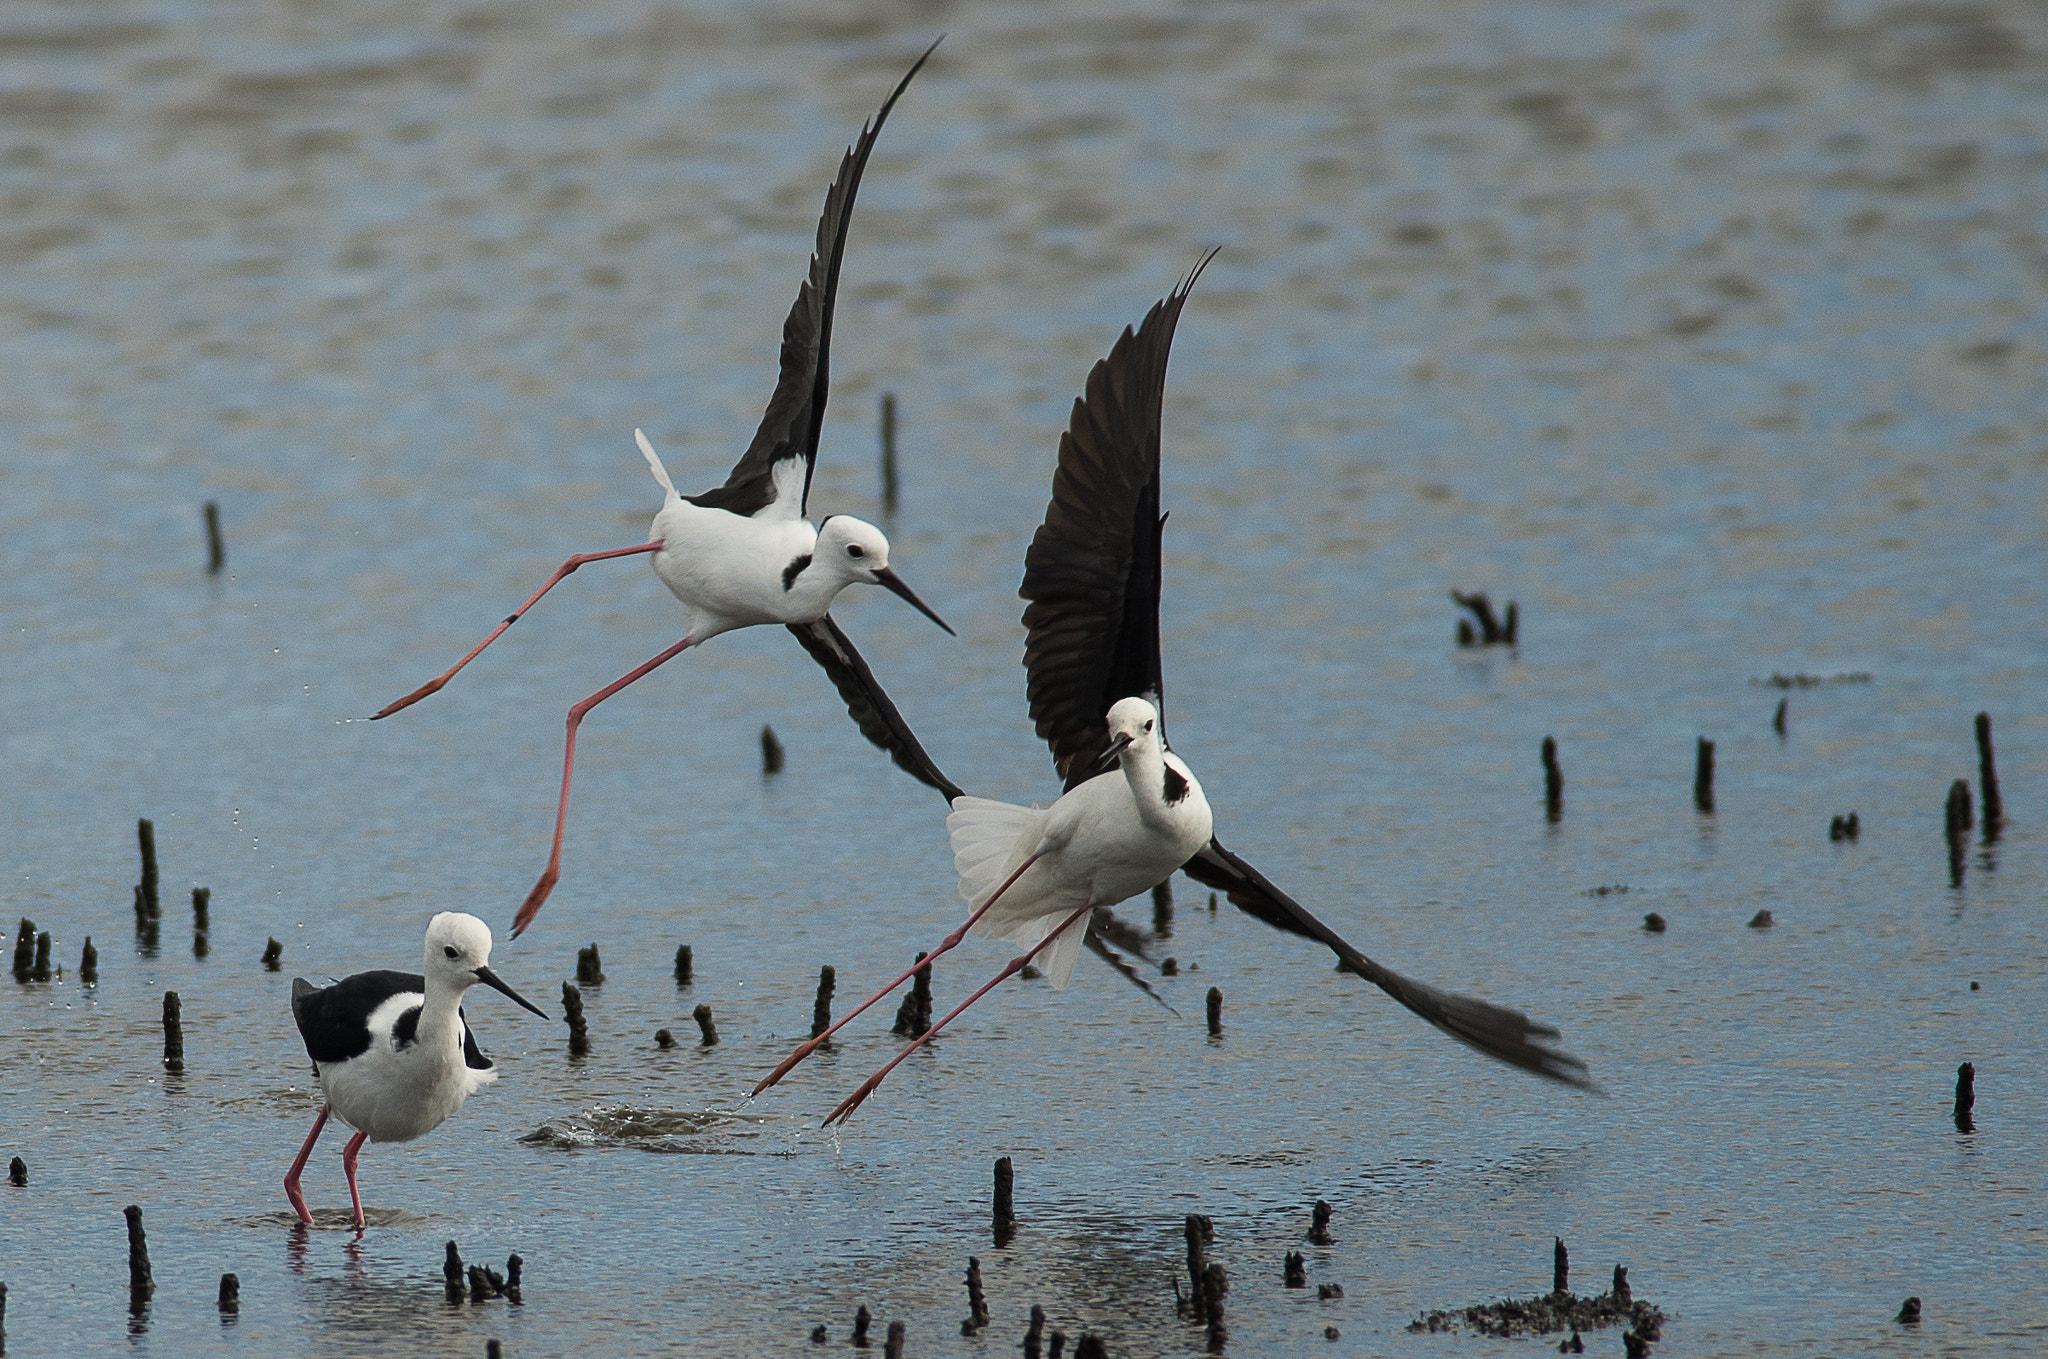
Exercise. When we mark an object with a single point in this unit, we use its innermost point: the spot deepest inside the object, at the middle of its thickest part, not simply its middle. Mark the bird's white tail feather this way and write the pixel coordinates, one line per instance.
(654, 465)
(989, 840)
(1057, 962)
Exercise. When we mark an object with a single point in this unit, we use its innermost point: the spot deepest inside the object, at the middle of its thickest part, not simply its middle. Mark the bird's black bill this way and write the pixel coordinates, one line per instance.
(893, 583)
(491, 979)
(1113, 754)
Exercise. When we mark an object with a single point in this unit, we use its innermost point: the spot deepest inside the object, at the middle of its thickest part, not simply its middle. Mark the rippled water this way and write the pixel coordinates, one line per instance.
(1709, 334)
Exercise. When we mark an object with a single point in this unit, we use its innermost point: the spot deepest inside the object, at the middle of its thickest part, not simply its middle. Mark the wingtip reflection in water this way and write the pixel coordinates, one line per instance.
(707, 1132)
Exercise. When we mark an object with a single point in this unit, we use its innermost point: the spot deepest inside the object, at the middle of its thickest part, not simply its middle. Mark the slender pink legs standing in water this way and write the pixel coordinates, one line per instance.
(291, 1177)
(348, 1167)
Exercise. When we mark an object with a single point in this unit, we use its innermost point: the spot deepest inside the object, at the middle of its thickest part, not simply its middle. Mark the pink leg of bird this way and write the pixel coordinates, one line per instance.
(568, 568)
(947, 944)
(348, 1168)
(291, 1177)
(1010, 969)
(539, 895)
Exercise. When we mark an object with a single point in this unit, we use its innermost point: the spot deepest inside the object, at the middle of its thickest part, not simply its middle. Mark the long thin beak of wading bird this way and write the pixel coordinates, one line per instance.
(1113, 754)
(893, 583)
(497, 983)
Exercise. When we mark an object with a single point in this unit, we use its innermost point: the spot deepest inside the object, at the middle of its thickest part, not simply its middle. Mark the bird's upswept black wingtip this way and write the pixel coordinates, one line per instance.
(1188, 280)
(796, 409)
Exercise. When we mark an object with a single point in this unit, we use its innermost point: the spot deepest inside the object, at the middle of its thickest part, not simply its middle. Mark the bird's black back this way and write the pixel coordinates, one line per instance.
(335, 1020)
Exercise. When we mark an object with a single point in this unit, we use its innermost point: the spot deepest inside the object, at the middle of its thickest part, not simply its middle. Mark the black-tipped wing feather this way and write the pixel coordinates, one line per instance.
(796, 411)
(868, 704)
(1506, 1034)
(472, 1055)
(1091, 575)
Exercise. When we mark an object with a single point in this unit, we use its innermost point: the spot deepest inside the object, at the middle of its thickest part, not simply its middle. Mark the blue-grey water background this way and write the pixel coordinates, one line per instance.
(1711, 334)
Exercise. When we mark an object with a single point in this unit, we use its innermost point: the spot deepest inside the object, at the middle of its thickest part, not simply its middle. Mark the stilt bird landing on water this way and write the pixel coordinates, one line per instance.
(1096, 689)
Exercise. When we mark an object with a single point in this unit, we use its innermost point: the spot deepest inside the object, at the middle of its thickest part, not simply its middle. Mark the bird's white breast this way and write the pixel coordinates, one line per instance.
(728, 570)
(396, 1094)
(1116, 847)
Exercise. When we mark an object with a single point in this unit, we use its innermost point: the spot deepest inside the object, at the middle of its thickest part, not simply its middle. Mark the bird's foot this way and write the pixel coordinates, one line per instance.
(432, 686)
(535, 900)
(853, 1101)
(788, 1065)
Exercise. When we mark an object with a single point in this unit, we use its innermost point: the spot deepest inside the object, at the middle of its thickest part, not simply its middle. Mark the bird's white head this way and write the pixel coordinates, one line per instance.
(458, 957)
(457, 945)
(852, 551)
(1133, 727)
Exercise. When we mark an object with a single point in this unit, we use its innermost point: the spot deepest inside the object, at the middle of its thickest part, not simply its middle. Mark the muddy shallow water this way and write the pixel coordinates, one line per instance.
(1709, 334)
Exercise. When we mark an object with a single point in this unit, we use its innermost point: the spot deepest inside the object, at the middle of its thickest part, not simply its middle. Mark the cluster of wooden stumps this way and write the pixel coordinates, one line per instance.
(480, 1283)
(474, 1283)
(1202, 1303)
(149, 903)
(32, 961)
(1557, 1312)
(1958, 815)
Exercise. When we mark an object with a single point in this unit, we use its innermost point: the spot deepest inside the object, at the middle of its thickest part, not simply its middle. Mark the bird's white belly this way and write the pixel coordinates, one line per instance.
(728, 570)
(1113, 854)
(396, 1096)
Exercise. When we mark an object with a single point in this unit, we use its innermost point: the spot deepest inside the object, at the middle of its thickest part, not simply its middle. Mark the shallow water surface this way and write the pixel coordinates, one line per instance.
(1708, 334)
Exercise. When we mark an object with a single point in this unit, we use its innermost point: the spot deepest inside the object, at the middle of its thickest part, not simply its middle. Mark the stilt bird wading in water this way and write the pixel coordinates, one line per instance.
(392, 1051)
(743, 554)
(1096, 690)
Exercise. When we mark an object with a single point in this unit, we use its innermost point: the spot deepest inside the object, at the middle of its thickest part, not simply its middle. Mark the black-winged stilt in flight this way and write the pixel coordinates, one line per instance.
(1096, 689)
(391, 1050)
(744, 554)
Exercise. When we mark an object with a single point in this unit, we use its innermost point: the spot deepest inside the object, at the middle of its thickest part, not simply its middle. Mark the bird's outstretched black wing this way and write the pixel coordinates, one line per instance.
(796, 412)
(869, 705)
(1091, 575)
(1507, 1034)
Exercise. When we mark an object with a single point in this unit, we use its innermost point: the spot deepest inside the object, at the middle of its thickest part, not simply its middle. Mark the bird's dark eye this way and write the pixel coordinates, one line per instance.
(450, 951)
(1148, 726)
(854, 550)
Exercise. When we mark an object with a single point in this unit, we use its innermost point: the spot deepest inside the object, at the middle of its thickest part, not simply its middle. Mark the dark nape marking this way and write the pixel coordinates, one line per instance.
(1176, 786)
(406, 1031)
(793, 570)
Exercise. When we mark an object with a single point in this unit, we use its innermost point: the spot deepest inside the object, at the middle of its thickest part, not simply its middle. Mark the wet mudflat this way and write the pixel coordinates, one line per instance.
(1709, 335)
